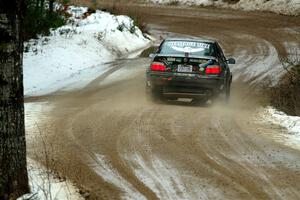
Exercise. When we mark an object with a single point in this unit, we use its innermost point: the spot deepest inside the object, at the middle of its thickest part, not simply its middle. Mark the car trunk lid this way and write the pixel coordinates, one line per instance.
(185, 64)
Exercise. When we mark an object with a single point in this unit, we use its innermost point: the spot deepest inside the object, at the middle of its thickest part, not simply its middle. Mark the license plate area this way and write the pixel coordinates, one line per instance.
(185, 68)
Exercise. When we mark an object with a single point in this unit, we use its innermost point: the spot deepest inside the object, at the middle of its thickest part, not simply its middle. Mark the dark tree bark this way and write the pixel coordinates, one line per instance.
(37, 4)
(42, 5)
(13, 172)
(51, 6)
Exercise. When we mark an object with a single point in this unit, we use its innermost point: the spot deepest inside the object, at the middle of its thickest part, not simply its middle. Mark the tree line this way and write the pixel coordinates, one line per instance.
(40, 16)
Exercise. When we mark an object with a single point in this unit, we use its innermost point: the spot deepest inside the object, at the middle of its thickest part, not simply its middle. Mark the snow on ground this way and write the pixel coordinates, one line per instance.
(160, 178)
(265, 65)
(104, 169)
(167, 182)
(76, 53)
(35, 115)
(71, 57)
(293, 51)
(290, 123)
(287, 7)
(124, 73)
(44, 185)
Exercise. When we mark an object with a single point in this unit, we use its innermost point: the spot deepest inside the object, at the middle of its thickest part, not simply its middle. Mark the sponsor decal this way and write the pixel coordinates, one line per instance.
(187, 49)
(187, 46)
(194, 60)
(171, 59)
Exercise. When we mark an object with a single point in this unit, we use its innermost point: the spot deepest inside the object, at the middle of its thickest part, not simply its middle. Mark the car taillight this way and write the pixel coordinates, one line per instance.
(157, 66)
(213, 70)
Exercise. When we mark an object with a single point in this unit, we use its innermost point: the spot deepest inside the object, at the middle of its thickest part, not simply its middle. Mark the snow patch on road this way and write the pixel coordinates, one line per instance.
(290, 123)
(160, 178)
(167, 182)
(293, 51)
(124, 73)
(287, 7)
(76, 53)
(44, 185)
(264, 65)
(104, 169)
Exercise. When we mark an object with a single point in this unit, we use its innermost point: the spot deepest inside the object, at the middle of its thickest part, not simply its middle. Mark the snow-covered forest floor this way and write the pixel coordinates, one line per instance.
(45, 185)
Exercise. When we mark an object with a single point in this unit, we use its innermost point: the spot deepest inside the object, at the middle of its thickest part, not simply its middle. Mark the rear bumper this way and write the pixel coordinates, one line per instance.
(185, 85)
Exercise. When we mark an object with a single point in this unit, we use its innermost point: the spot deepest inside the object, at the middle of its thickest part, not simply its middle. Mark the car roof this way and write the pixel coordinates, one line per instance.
(190, 39)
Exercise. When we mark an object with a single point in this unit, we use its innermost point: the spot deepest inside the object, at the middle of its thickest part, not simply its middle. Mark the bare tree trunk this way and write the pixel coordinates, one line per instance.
(13, 172)
(51, 6)
(42, 5)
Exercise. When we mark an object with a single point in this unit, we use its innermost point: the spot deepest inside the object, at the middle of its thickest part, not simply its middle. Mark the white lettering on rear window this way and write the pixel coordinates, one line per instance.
(188, 46)
(183, 44)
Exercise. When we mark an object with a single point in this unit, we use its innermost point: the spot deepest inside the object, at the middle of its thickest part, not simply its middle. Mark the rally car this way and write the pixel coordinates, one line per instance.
(189, 68)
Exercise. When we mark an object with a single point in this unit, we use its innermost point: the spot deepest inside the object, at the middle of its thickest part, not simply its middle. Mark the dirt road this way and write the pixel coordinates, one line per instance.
(109, 139)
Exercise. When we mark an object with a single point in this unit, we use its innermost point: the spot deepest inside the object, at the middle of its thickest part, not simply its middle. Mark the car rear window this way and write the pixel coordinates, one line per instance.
(191, 47)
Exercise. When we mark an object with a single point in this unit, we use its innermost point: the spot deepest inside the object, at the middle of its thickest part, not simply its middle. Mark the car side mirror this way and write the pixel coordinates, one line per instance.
(151, 55)
(231, 61)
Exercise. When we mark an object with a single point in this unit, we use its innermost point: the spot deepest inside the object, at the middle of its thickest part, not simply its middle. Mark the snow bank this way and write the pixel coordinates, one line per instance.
(291, 123)
(76, 53)
(45, 186)
(287, 7)
(184, 2)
